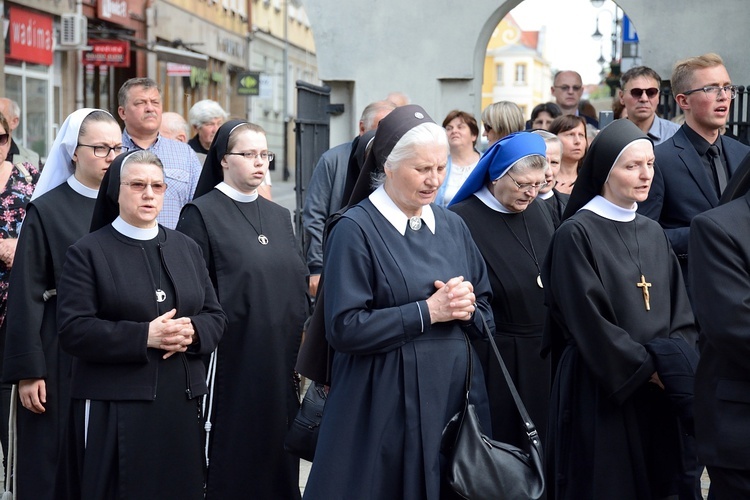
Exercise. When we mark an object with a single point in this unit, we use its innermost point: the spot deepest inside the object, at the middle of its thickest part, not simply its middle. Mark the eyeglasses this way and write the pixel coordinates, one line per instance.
(487, 128)
(526, 187)
(568, 88)
(251, 155)
(4, 139)
(103, 151)
(731, 90)
(638, 93)
(138, 186)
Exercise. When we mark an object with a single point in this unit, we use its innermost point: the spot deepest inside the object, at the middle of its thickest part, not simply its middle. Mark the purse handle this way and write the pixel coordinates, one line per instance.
(527, 422)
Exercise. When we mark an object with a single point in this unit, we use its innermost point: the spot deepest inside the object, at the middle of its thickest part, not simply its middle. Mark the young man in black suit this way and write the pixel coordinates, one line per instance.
(693, 166)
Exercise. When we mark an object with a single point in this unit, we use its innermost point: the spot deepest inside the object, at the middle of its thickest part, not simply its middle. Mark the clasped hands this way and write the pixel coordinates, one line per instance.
(170, 334)
(452, 300)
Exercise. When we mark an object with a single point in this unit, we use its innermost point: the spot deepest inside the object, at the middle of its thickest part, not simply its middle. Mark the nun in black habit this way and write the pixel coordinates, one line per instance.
(260, 278)
(136, 310)
(612, 285)
(57, 216)
(403, 279)
(512, 228)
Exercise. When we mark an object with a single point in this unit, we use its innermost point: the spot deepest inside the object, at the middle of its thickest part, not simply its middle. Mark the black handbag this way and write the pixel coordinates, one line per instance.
(302, 436)
(480, 468)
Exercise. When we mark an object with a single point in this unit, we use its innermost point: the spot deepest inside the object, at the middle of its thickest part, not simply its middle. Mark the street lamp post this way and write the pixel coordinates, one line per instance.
(613, 78)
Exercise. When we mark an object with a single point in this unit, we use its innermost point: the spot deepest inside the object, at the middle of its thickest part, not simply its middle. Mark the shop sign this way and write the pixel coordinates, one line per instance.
(113, 53)
(176, 69)
(30, 37)
(200, 76)
(248, 83)
(115, 11)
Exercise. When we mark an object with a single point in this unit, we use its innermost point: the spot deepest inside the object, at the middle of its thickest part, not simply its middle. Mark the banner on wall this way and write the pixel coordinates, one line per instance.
(115, 53)
(30, 37)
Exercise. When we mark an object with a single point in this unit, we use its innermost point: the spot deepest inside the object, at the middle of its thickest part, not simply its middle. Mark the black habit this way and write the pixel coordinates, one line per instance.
(136, 430)
(518, 308)
(53, 222)
(262, 288)
(612, 433)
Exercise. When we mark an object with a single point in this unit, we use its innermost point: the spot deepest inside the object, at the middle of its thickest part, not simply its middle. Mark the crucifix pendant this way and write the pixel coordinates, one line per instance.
(644, 286)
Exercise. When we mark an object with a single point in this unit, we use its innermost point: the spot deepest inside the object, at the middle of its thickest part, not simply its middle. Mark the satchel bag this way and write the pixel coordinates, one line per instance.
(480, 468)
(302, 436)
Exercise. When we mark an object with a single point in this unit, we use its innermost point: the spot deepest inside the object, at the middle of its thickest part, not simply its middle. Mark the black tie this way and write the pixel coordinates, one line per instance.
(720, 174)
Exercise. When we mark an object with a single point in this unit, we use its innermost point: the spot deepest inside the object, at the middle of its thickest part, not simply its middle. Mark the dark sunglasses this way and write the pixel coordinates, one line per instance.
(650, 92)
(487, 128)
(4, 139)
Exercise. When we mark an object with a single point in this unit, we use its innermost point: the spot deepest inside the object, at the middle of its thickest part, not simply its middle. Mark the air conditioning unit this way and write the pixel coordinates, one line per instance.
(73, 30)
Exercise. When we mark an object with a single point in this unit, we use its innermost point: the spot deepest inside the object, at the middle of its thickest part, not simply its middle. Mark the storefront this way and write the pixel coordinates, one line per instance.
(197, 59)
(29, 74)
(116, 49)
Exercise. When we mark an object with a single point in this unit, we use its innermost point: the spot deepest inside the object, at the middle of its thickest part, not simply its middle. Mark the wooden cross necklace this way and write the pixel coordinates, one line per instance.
(643, 284)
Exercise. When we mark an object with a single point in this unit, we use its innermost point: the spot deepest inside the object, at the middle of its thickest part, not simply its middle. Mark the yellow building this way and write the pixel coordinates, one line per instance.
(515, 68)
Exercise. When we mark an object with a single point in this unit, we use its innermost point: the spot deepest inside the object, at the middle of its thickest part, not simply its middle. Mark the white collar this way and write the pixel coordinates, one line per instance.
(79, 188)
(236, 195)
(136, 233)
(486, 197)
(605, 208)
(546, 196)
(395, 216)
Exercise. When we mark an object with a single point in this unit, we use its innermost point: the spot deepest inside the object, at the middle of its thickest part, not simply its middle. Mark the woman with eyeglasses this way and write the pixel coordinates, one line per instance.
(500, 119)
(502, 194)
(261, 280)
(136, 311)
(571, 130)
(59, 214)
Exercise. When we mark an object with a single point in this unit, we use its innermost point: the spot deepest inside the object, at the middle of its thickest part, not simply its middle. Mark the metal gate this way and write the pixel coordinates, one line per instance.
(312, 131)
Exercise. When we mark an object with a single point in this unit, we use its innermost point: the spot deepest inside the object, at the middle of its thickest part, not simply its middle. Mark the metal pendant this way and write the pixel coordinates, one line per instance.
(539, 281)
(262, 239)
(415, 223)
(161, 295)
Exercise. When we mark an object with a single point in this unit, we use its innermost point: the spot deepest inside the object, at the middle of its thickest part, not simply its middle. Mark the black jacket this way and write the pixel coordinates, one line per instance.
(106, 301)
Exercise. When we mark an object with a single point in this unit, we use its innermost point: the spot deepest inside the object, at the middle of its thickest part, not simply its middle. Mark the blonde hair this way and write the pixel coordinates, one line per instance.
(682, 74)
(504, 117)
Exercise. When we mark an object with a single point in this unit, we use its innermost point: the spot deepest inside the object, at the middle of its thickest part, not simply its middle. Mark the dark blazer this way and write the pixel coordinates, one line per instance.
(106, 302)
(720, 275)
(681, 188)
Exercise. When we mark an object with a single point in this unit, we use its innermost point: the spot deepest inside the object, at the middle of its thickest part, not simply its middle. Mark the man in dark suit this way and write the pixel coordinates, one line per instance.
(720, 274)
(693, 166)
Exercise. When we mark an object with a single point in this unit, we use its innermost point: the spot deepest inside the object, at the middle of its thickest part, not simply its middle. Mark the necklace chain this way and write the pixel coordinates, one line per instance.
(262, 238)
(531, 253)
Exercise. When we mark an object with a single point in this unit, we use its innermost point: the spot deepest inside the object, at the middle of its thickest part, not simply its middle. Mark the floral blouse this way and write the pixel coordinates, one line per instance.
(13, 201)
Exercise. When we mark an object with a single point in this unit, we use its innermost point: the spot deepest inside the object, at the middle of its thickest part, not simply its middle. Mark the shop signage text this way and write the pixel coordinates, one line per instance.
(30, 37)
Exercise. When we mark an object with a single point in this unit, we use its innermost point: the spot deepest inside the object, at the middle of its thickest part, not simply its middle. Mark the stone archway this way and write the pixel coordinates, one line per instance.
(434, 49)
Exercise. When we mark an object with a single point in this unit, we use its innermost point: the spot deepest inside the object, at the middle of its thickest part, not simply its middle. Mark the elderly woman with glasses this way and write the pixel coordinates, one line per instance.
(502, 194)
(137, 311)
(261, 280)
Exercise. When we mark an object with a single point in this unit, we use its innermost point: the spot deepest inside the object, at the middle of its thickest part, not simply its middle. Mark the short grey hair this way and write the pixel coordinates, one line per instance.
(175, 123)
(14, 108)
(372, 111)
(142, 157)
(124, 93)
(424, 134)
(204, 111)
(549, 137)
(527, 163)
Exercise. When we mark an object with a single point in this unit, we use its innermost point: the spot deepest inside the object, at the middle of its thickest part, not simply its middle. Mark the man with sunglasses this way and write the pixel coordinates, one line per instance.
(640, 95)
(567, 89)
(694, 165)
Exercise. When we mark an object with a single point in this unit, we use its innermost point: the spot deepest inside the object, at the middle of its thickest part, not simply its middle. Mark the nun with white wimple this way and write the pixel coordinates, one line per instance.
(59, 214)
(614, 289)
